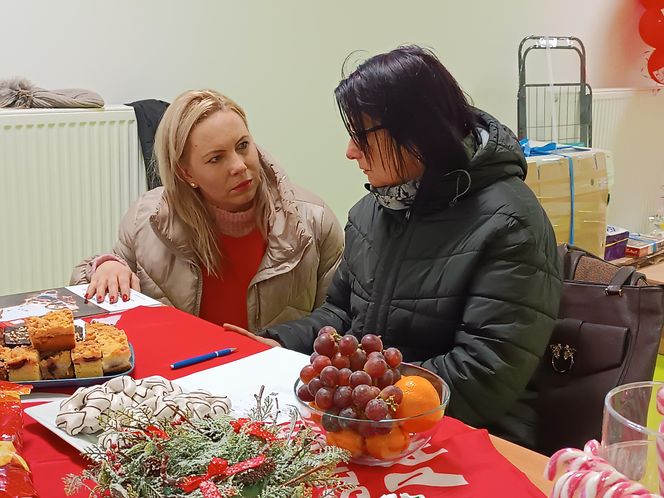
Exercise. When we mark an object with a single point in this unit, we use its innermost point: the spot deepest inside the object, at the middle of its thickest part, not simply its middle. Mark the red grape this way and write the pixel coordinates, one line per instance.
(304, 394)
(320, 362)
(307, 373)
(371, 343)
(328, 329)
(375, 391)
(376, 409)
(340, 361)
(375, 354)
(348, 344)
(314, 385)
(330, 422)
(387, 379)
(329, 376)
(348, 413)
(325, 345)
(397, 374)
(325, 398)
(343, 397)
(313, 357)
(392, 394)
(366, 428)
(344, 376)
(361, 396)
(375, 367)
(357, 360)
(384, 426)
(360, 378)
(393, 357)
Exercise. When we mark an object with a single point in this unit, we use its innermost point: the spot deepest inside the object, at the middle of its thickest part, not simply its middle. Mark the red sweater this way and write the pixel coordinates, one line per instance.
(224, 298)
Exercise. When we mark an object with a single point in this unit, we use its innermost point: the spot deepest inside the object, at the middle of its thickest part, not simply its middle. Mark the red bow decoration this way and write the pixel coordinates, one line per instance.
(151, 431)
(155, 432)
(252, 463)
(218, 467)
(252, 428)
(209, 490)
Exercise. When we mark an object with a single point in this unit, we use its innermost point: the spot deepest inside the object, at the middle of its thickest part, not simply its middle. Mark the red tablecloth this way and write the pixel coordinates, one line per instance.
(160, 336)
(459, 463)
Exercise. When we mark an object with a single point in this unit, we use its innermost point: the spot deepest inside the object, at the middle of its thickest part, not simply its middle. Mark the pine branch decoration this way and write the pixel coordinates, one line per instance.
(246, 457)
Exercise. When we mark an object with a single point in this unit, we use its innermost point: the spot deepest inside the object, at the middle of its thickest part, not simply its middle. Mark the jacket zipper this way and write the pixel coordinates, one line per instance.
(261, 277)
(199, 287)
(386, 279)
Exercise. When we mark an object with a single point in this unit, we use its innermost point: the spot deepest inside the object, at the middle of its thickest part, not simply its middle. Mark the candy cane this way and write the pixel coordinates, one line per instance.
(594, 484)
(570, 459)
(660, 400)
(592, 447)
(589, 476)
(560, 460)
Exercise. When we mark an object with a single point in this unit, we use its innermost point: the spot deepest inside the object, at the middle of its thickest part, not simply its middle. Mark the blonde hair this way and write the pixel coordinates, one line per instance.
(186, 111)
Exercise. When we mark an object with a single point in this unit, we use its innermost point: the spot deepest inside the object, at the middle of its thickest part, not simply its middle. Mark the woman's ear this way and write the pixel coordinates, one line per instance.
(183, 173)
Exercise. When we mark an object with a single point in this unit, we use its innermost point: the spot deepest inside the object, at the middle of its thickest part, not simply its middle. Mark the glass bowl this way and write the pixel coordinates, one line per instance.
(379, 442)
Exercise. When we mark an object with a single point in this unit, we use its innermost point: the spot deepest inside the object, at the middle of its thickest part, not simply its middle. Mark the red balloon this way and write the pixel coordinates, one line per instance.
(653, 4)
(651, 28)
(656, 66)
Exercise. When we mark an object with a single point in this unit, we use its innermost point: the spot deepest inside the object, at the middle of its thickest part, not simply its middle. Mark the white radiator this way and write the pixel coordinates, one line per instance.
(630, 123)
(67, 177)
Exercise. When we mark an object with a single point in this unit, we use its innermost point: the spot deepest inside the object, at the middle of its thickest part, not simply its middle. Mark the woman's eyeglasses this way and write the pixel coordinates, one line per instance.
(363, 133)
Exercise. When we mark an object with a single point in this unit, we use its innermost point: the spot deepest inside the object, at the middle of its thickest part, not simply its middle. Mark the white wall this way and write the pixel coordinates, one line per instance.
(282, 59)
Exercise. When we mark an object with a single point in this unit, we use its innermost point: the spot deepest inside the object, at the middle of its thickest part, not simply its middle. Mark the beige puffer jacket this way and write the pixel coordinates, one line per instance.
(304, 247)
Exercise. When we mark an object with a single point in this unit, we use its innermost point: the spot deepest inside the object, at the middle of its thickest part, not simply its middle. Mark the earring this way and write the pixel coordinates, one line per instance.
(193, 185)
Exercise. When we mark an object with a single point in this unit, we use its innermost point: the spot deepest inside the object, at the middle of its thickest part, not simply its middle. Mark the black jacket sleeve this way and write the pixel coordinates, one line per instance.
(299, 335)
(507, 322)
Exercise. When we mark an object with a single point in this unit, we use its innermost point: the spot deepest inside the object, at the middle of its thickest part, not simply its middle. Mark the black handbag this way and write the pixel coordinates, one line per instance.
(607, 334)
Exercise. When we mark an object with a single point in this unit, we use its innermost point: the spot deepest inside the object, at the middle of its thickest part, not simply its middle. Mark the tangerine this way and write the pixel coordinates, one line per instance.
(348, 440)
(388, 446)
(419, 396)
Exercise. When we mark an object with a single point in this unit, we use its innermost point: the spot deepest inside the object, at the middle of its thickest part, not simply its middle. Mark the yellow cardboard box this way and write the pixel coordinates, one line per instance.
(549, 178)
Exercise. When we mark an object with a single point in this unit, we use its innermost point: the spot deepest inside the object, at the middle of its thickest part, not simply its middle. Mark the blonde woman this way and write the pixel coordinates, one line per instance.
(228, 237)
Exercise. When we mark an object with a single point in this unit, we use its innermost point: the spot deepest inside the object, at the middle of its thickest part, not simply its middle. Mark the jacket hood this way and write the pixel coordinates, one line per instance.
(499, 156)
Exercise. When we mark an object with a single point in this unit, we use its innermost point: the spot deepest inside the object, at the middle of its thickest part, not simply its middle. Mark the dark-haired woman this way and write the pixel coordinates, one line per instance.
(449, 258)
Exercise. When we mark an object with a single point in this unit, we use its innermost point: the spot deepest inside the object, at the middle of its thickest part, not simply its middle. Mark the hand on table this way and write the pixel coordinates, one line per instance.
(264, 340)
(112, 277)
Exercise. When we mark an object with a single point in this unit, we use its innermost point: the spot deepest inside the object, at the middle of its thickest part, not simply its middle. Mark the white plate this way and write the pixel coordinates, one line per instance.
(276, 369)
(45, 414)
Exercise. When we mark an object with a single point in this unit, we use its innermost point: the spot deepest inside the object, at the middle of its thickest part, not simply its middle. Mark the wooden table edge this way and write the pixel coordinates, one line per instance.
(530, 463)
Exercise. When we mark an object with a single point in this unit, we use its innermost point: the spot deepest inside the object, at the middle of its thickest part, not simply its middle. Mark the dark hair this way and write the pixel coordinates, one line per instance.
(409, 92)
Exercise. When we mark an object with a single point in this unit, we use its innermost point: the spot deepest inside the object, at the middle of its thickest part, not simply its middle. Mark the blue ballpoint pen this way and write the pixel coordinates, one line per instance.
(203, 357)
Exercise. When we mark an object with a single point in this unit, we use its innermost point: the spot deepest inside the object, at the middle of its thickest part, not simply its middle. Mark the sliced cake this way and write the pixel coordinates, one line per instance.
(52, 332)
(115, 350)
(3, 366)
(56, 365)
(86, 357)
(16, 335)
(22, 364)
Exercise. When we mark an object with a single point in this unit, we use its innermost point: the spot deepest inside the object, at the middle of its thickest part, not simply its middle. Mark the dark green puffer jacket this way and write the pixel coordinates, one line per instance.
(469, 288)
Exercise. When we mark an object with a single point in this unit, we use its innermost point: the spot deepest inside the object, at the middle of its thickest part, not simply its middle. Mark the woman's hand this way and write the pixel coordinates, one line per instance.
(264, 340)
(112, 277)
